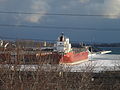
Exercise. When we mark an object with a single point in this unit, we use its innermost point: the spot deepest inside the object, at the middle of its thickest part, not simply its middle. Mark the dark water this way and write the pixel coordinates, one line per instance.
(115, 50)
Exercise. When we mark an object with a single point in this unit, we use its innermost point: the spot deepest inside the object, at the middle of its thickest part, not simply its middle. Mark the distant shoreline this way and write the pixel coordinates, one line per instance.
(107, 45)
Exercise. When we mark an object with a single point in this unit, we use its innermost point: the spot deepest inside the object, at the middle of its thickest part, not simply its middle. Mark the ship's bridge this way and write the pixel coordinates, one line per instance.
(63, 44)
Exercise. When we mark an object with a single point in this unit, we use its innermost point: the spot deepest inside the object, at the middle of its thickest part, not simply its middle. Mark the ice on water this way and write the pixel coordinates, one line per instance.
(99, 62)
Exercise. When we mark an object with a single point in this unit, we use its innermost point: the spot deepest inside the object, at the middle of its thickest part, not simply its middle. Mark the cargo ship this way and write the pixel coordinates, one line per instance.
(69, 55)
(61, 52)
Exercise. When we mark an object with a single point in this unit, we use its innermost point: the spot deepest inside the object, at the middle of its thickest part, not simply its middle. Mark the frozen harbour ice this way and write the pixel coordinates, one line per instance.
(99, 62)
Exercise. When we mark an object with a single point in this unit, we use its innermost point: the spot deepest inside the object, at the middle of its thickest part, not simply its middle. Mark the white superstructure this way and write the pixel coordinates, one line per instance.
(63, 44)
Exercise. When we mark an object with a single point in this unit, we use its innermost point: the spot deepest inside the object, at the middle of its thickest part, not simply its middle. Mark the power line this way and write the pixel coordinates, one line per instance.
(61, 28)
(57, 14)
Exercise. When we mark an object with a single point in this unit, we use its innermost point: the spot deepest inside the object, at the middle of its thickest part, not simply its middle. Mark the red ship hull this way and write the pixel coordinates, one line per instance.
(74, 58)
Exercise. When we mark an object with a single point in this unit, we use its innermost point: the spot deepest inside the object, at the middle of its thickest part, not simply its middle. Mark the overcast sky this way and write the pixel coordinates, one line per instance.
(107, 25)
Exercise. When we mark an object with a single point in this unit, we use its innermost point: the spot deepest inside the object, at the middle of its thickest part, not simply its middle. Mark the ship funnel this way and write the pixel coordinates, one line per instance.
(62, 38)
